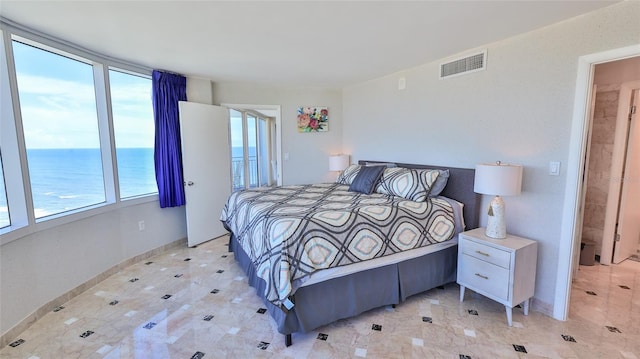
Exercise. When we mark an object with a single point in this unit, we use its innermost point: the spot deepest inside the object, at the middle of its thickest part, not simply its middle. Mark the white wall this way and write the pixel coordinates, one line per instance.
(199, 90)
(518, 110)
(40, 267)
(308, 152)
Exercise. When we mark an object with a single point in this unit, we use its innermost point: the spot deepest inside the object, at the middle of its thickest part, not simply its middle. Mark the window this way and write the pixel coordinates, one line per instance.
(133, 127)
(4, 207)
(60, 124)
(251, 149)
(68, 116)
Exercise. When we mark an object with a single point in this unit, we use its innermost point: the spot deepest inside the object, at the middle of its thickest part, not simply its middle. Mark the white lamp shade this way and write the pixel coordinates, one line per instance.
(498, 179)
(338, 162)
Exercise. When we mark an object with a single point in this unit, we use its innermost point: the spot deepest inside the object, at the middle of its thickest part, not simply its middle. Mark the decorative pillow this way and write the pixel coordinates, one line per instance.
(440, 184)
(366, 179)
(407, 183)
(347, 176)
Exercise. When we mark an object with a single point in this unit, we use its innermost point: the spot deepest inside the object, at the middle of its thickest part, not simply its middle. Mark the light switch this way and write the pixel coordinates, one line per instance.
(554, 168)
(286, 156)
(402, 83)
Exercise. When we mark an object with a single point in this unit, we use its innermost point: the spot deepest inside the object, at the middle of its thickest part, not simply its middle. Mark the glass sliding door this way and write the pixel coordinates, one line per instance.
(251, 149)
(263, 152)
(237, 149)
(252, 145)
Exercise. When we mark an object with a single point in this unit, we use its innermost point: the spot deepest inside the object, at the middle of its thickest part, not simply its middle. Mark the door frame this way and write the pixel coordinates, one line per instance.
(587, 153)
(278, 117)
(617, 165)
(568, 247)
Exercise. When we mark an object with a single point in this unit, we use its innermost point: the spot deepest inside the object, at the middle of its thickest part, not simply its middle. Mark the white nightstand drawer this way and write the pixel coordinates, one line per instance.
(492, 279)
(485, 253)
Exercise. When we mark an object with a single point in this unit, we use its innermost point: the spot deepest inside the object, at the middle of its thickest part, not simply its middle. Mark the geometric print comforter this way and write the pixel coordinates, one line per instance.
(290, 232)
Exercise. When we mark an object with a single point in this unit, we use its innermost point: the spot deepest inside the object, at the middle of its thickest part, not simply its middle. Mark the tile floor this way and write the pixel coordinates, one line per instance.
(195, 303)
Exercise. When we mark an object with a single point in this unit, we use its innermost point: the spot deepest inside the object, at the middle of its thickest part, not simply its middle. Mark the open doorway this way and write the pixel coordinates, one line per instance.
(253, 149)
(571, 231)
(256, 145)
(569, 249)
(611, 226)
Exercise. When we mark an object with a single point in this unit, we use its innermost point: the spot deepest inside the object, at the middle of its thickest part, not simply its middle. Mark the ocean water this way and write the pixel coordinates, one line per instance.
(68, 179)
(236, 152)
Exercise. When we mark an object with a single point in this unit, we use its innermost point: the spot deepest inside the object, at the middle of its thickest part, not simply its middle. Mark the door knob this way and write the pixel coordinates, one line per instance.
(190, 183)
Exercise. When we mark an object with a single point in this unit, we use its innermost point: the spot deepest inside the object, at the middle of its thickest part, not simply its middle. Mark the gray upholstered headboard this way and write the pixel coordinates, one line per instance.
(459, 187)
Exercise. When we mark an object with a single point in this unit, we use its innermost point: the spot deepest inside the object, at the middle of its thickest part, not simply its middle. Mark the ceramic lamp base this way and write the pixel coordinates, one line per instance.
(496, 225)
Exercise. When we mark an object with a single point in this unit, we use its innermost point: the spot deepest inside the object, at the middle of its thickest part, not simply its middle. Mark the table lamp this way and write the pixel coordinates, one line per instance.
(338, 163)
(500, 180)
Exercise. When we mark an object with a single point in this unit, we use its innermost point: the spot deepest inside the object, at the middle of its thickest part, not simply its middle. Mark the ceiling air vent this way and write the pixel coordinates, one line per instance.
(464, 65)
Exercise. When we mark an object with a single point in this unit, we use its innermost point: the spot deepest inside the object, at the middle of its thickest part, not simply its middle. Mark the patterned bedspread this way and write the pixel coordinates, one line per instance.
(291, 231)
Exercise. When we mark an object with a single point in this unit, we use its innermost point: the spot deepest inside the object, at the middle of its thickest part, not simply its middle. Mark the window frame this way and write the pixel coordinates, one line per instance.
(102, 118)
(118, 193)
(16, 173)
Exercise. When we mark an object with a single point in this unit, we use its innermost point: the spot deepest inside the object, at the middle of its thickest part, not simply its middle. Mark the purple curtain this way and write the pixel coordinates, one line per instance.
(168, 89)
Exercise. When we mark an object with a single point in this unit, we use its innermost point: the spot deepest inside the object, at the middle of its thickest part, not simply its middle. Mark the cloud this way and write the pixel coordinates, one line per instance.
(131, 93)
(55, 88)
(62, 114)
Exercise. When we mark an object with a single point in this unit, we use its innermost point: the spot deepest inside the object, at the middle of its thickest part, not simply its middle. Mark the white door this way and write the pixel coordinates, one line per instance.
(629, 212)
(206, 164)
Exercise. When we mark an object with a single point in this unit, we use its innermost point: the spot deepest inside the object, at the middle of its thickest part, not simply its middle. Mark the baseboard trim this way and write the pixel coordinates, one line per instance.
(16, 330)
(542, 307)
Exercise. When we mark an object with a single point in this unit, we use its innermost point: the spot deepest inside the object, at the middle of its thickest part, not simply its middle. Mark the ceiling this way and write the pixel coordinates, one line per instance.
(287, 43)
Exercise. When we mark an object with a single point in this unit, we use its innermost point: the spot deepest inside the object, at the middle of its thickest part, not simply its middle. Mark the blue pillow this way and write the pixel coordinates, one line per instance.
(366, 179)
(440, 183)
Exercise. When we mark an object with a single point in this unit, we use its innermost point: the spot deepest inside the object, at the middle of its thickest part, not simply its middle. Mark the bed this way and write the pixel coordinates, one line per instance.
(313, 274)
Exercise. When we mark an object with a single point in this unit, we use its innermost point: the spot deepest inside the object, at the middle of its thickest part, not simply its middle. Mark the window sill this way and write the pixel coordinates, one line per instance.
(15, 232)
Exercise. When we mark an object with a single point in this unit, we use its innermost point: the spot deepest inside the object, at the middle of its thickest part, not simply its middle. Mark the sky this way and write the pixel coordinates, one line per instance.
(236, 129)
(58, 106)
(58, 102)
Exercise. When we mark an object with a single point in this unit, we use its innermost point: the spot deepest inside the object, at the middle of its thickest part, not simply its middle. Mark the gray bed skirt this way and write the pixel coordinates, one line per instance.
(325, 302)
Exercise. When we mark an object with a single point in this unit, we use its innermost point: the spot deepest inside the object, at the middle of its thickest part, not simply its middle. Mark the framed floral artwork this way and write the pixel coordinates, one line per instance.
(313, 119)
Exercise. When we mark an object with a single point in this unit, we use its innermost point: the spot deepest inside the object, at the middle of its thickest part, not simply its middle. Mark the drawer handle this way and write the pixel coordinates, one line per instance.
(482, 276)
(483, 253)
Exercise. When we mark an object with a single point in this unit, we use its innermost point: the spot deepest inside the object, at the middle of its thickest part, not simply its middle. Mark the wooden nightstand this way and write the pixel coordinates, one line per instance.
(501, 269)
